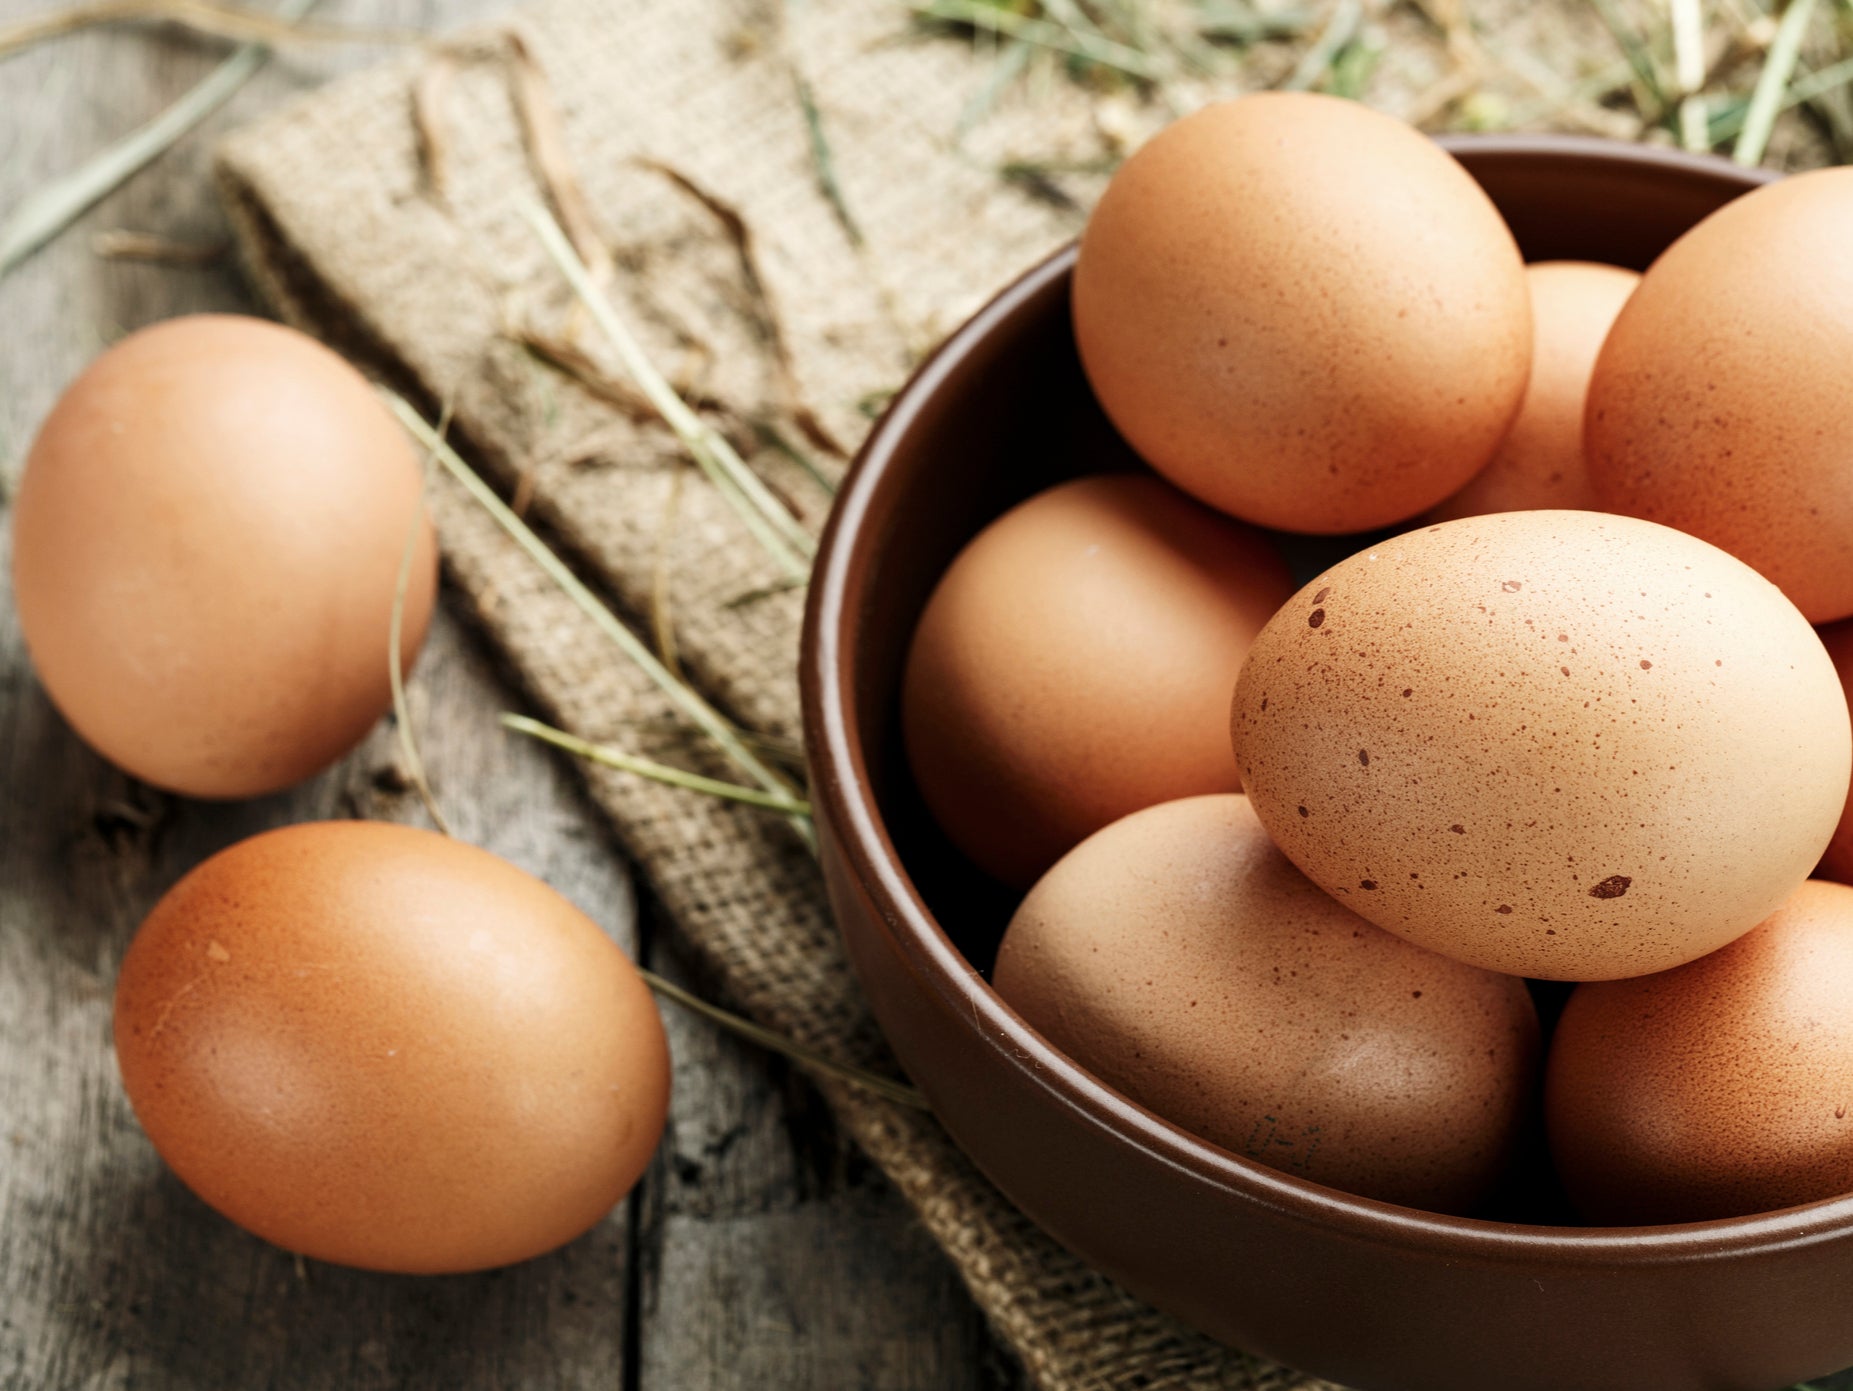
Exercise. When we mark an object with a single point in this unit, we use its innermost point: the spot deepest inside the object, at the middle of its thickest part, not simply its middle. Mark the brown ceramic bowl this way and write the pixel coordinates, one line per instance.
(1374, 1296)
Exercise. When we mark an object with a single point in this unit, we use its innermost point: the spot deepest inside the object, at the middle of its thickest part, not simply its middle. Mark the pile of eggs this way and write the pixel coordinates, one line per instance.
(1298, 866)
(366, 1043)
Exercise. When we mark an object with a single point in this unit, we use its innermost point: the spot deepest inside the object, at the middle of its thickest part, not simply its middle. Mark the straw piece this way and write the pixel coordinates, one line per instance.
(765, 516)
(799, 1053)
(698, 711)
(201, 16)
(650, 768)
(41, 216)
(121, 244)
(1044, 34)
(1772, 83)
(1347, 15)
(395, 644)
(1689, 71)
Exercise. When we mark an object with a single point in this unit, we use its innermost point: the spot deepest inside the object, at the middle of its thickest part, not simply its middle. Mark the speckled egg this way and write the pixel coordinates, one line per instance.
(1719, 404)
(1540, 462)
(381, 1047)
(1303, 312)
(1561, 744)
(1074, 664)
(1719, 1089)
(1179, 957)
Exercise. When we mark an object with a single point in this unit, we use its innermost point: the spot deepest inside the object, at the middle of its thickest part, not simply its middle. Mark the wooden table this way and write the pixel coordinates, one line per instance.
(761, 1251)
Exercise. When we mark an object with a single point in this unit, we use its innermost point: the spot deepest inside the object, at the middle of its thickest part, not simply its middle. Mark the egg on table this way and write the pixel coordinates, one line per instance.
(1074, 664)
(207, 542)
(1719, 1089)
(384, 1048)
(1540, 461)
(1303, 312)
(1719, 404)
(1561, 744)
(1179, 957)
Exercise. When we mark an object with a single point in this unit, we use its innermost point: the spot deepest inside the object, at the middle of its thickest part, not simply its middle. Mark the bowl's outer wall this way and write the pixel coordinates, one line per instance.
(1374, 1297)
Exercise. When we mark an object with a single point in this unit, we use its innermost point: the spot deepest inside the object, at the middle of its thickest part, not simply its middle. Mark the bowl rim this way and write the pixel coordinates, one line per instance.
(843, 793)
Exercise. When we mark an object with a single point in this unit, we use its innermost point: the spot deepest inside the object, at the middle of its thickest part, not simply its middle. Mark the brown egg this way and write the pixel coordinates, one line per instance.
(205, 548)
(1303, 312)
(1720, 405)
(1837, 863)
(379, 1047)
(1719, 1089)
(1179, 957)
(1560, 744)
(1540, 463)
(1075, 664)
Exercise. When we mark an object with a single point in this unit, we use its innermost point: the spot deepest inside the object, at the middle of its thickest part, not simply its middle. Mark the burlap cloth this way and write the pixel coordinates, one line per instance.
(428, 282)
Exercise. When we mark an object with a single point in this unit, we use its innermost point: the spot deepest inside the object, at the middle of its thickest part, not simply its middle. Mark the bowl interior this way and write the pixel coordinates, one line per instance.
(1004, 411)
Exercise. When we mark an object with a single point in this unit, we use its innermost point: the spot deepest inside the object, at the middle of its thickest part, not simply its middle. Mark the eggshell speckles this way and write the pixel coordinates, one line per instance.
(1540, 463)
(1720, 402)
(206, 544)
(1560, 744)
(1075, 663)
(1719, 1089)
(384, 1048)
(1304, 313)
(1179, 957)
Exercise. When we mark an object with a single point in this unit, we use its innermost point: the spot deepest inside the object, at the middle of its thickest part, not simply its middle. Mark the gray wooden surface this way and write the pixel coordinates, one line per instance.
(761, 1251)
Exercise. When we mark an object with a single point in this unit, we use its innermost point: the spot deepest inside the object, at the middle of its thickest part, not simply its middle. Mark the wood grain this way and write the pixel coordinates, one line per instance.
(110, 1270)
(760, 1252)
(772, 1254)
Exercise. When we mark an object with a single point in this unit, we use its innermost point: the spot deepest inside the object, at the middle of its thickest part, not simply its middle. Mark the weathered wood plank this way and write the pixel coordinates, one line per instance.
(772, 1254)
(110, 1272)
(768, 1253)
